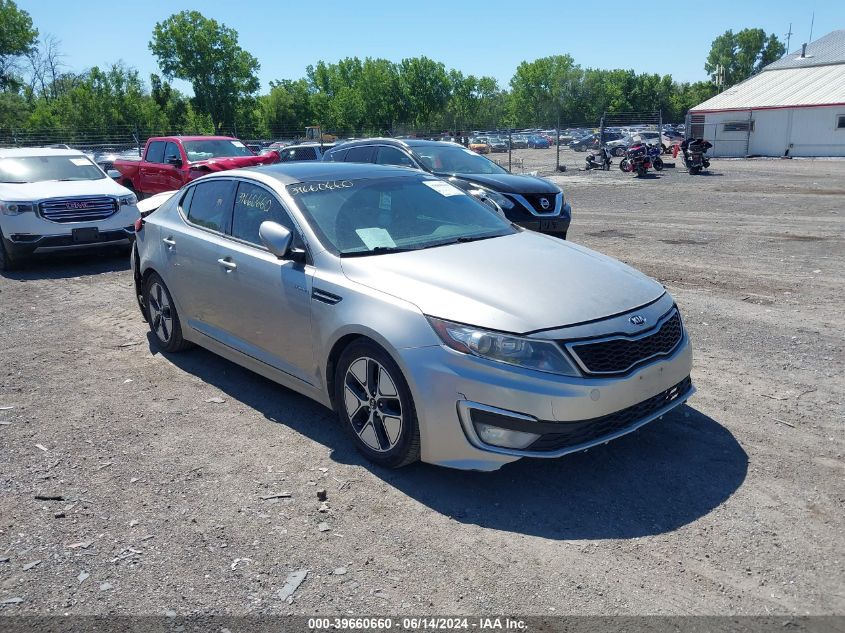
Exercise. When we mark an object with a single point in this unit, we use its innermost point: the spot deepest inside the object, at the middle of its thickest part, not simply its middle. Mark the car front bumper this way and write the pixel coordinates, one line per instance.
(23, 244)
(568, 413)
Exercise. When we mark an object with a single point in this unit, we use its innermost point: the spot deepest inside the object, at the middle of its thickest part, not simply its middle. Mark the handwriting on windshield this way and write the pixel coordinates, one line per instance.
(311, 187)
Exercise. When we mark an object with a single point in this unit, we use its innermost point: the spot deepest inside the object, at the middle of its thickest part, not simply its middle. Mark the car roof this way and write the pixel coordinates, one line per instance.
(195, 138)
(405, 142)
(290, 173)
(20, 152)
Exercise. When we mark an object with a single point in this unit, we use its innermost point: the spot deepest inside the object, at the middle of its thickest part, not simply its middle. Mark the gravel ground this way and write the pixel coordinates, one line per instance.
(164, 465)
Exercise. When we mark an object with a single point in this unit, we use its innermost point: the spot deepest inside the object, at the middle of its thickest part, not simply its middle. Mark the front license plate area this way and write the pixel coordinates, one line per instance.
(551, 225)
(88, 234)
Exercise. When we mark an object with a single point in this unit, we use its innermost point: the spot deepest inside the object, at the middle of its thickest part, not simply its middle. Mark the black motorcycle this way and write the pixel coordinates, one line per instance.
(695, 154)
(599, 160)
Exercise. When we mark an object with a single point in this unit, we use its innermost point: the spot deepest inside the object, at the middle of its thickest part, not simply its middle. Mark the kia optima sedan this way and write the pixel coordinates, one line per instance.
(401, 302)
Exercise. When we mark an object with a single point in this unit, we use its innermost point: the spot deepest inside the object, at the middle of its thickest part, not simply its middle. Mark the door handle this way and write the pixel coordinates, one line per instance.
(169, 241)
(228, 264)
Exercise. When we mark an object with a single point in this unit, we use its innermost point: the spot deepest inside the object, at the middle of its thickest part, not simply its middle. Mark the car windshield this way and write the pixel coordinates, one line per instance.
(450, 159)
(384, 215)
(24, 169)
(214, 148)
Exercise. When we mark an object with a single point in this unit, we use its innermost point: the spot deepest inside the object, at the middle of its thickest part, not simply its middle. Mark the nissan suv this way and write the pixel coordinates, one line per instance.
(530, 202)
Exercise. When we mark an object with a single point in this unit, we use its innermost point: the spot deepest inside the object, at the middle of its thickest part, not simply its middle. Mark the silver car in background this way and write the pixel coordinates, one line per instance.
(436, 329)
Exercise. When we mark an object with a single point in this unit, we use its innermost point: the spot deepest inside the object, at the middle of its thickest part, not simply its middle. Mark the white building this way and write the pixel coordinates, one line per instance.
(794, 106)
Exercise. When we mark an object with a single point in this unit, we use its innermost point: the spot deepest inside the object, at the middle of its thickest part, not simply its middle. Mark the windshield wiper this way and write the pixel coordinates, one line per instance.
(378, 250)
(14, 182)
(461, 240)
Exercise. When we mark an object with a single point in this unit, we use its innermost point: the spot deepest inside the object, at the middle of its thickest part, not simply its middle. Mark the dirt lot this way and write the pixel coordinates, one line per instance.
(730, 505)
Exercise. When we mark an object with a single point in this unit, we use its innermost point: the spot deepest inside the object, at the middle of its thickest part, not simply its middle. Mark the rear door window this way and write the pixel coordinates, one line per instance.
(360, 154)
(155, 152)
(393, 156)
(211, 205)
(338, 156)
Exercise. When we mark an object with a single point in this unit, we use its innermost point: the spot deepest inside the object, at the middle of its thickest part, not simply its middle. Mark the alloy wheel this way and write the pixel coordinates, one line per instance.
(161, 312)
(372, 403)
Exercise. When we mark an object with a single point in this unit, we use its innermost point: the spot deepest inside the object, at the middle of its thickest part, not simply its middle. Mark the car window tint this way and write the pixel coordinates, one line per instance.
(337, 156)
(211, 204)
(254, 205)
(185, 203)
(290, 154)
(393, 156)
(171, 151)
(360, 154)
(155, 152)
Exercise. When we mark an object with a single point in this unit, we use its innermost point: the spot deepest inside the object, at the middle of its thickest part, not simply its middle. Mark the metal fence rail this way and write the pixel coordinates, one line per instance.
(523, 152)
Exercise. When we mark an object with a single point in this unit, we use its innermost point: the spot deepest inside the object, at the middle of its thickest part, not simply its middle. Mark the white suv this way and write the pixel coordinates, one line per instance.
(57, 199)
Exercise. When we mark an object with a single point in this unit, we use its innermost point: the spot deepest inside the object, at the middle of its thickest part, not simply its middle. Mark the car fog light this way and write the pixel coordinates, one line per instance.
(504, 438)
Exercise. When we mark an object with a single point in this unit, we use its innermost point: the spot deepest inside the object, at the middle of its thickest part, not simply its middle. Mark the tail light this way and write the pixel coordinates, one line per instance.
(139, 224)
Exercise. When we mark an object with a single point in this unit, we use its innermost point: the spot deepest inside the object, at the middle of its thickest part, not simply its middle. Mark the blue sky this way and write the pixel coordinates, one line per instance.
(489, 37)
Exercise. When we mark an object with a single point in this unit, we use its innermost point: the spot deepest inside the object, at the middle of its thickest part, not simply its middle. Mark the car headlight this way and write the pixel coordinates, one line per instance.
(16, 208)
(128, 201)
(495, 196)
(504, 348)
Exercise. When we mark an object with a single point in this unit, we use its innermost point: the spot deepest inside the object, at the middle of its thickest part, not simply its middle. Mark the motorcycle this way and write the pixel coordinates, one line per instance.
(599, 160)
(695, 154)
(640, 157)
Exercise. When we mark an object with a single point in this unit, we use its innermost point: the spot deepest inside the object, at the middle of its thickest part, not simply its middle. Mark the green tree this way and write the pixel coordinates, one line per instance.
(743, 54)
(545, 89)
(17, 37)
(424, 85)
(206, 53)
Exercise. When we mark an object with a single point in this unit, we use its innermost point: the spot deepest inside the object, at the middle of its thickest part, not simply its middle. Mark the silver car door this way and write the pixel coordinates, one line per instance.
(270, 317)
(190, 248)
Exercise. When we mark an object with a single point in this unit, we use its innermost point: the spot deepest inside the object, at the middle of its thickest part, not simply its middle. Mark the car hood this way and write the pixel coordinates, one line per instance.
(510, 183)
(517, 283)
(233, 162)
(31, 191)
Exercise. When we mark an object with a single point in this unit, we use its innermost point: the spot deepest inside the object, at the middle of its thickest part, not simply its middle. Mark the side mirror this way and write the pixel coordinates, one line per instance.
(174, 160)
(113, 173)
(276, 238)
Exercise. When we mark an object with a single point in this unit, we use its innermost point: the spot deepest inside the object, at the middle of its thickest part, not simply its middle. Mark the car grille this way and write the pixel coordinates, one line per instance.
(621, 355)
(586, 431)
(78, 209)
(537, 206)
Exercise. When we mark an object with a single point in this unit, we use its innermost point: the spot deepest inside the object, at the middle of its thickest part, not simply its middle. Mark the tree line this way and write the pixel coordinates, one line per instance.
(370, 95)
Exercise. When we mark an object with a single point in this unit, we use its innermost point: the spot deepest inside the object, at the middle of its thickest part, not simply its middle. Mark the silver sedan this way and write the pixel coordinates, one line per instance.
(433, 327)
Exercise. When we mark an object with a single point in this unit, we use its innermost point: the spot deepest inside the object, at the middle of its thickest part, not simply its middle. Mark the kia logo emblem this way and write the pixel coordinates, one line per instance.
(544, 202)
(77, 205)
(637, 320)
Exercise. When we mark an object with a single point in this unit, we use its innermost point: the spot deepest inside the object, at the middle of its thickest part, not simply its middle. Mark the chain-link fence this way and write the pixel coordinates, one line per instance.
(542, 150)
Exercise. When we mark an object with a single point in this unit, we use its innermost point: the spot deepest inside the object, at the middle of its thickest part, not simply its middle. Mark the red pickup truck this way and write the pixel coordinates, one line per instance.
(171, 161)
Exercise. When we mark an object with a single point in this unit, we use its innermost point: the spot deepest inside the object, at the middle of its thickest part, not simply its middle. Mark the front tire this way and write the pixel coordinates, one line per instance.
(7, 261)
(375, 406)
(162, 316)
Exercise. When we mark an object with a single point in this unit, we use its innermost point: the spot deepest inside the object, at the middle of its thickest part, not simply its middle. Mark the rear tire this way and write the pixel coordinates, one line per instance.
(162, 316)
(375, 406)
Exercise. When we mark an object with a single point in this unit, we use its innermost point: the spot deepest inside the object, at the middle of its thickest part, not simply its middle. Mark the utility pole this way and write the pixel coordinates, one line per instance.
(788, 38)
(719, 76)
